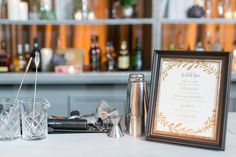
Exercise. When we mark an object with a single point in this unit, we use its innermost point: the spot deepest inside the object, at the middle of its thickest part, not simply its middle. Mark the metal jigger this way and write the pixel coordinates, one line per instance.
(116, 131)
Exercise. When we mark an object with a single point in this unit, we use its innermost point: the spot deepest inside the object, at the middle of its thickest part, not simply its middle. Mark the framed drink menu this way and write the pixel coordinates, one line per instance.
(189, 98)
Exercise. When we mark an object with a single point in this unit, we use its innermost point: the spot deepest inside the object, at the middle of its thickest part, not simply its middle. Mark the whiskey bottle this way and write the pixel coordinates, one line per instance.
(137, 58)
(123, 57)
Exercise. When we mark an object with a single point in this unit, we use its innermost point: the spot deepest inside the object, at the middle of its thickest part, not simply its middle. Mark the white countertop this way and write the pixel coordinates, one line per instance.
(99, 145)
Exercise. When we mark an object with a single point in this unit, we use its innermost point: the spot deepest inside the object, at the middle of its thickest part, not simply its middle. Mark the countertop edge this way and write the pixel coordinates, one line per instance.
(79, 78)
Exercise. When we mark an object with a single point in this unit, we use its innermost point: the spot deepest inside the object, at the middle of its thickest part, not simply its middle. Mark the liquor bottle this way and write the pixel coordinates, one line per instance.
(112, 50)
(216, 46)
(19, 61)
(199, 46)
(98, 53)
(234, 49)
(36, 49)
(26, 53)
(208, 43)
(123, 57)
(4, 58)
(112, 62)
(94, 54)
(171, 46)
(110, 57)
(180, 41)
(137, 58)
(234, 57)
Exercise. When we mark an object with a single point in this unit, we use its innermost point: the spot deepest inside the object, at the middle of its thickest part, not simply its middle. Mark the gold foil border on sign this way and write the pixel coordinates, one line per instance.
(190, 64)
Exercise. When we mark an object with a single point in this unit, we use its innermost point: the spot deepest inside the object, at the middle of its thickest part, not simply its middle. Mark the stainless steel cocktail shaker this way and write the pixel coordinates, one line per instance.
(137, 101)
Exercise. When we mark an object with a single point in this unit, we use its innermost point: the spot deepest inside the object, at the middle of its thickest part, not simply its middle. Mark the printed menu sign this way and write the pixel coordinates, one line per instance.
(189, 93)
(187, 98)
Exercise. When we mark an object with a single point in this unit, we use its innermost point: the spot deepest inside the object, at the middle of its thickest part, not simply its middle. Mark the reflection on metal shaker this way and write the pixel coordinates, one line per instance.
(137, 101)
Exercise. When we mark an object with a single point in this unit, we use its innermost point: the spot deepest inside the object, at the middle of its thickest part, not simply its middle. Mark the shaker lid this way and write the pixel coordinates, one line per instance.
(139, 77)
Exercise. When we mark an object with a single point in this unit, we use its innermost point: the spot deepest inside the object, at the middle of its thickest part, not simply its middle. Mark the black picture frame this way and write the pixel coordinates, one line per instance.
(223, 97)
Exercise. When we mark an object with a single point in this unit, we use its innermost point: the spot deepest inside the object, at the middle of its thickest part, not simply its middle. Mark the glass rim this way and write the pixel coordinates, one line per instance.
(37, 99)
(8, 98)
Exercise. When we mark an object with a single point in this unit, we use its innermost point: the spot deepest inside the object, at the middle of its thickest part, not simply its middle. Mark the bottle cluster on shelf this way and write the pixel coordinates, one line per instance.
(122, 60)
(207, 40)
(63, 60)
(18, 62)
(202, 44)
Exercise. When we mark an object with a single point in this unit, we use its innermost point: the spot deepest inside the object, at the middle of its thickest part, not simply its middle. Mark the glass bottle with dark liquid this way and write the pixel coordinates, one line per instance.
(5, 61)
(98, 53)
(36, 49)
(137, 58)
(94, 54)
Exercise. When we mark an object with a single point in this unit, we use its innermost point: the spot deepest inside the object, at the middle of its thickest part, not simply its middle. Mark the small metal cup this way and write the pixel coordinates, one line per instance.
(116, 131)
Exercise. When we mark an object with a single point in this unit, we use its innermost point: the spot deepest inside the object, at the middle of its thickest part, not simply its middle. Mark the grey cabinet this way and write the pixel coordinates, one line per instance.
(65, 92)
